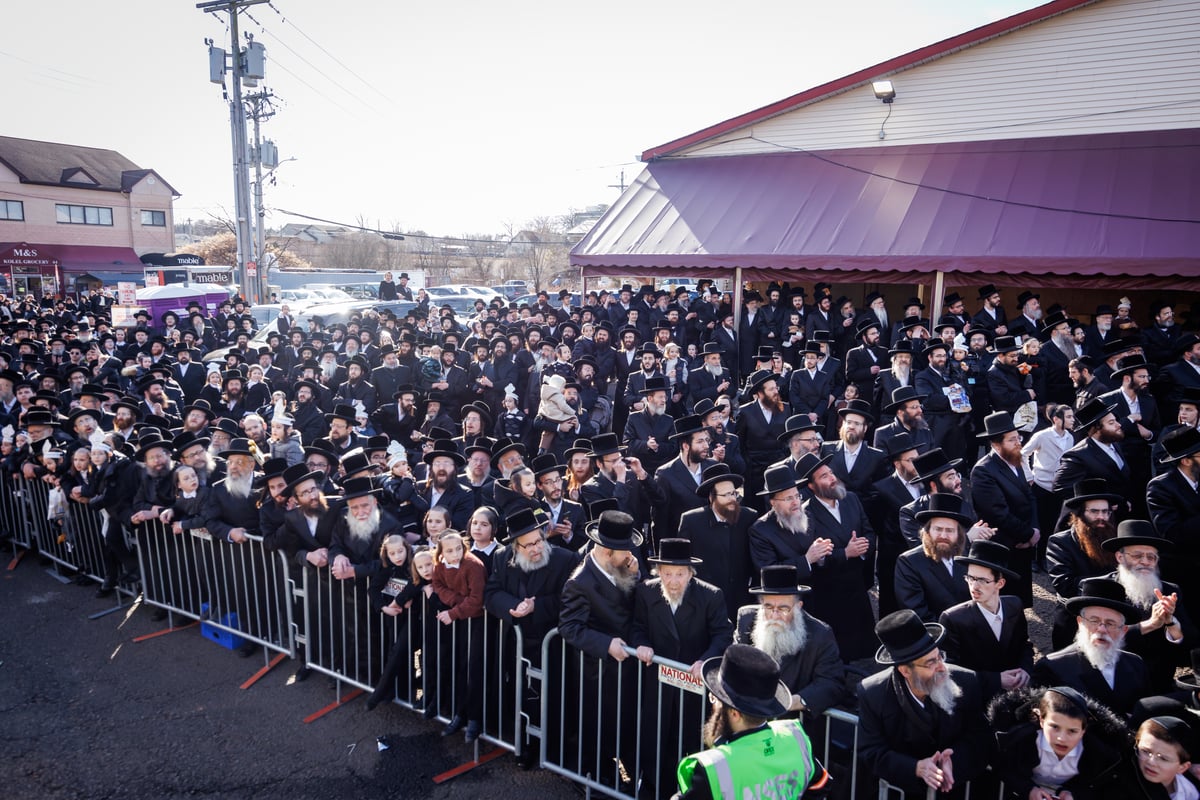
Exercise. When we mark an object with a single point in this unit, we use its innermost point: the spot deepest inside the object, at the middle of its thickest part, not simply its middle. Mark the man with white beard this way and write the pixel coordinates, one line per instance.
(712, 379)
(648, 432)
(596, 618)
(1095, 662)
(354, 546)
(809, 662)
(232, 507)
(921, 723)
(682, 618)
(1165, 633)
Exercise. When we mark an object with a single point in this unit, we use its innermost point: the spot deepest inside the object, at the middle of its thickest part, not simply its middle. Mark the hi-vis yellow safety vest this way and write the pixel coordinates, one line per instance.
(775, 762)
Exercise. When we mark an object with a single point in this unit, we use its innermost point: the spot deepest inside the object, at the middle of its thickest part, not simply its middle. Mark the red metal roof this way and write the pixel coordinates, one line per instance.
(862, 77)
(1110, 207)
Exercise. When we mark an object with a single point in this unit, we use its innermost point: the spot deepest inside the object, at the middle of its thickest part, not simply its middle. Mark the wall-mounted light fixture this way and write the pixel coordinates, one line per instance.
(885, 91)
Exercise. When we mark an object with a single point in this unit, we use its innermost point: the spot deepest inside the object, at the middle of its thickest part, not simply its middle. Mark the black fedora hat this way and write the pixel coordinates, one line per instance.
(655, 383)
(706, 406)
(1004, 344)
(780, 579)
(715, 474)
(778, 478)
(1134, 532)
(686, 426)
(902, 395)
(1131, 364)
(808, 465)
(1105, 593)
(991, 555)
(186, 440)
(1091, 413)
(355, 461)
(675, 552)
(1091, 489)
(747, 679)
(482, 444)
(445, 448)
(797, 423)
(987, 291)
(946, 506)
(605, 444)
(344, 412)
(900, 444)
(480, 408)
(358, 487)
(273, 468)
(581, 447)
(860, 407)
(598, 507)
(931, 464)
(1179, 444)
(760, 379)
(997, 424)
(201, 405)
(229, 426)
(545, 464)
(614, 530)
(523, 521)
(298, 474)
(905, 638)
(148, 441)
(901, 346)
(239, 446)
(506, 445)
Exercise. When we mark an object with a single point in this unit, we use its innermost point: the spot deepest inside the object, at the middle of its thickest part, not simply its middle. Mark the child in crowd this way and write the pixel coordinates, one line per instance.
(512, 423)
(1163, 755)
(187, 513)
(285, 442)
(484, 529)
(392, 592)
(437, 520)
(458, 581)
(1058, 743)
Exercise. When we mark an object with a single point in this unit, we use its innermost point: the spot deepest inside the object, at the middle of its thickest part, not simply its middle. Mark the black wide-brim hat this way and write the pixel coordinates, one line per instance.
(778, 478)
(1135, 532)
(545, 464)
(238, 447)
(605, 444)
(358, 487)
(202, 406)
(675, 552)
(686, 426)
(504, 446)
(343, 412)
(760, 379)
(931, 463)
(445, 448)
(481, 409)
(1180, 444)
(998, 423)
(797, 423)
(1105, 593)
(522, 522)
(992, 555)
(947, 506)
(902, 395)
(780, 579)
(716, 474)
(614, 530)
(747, 679)
(859, 407)
(905, 638)
(1091, 489)
(297, 474)
(808, 464)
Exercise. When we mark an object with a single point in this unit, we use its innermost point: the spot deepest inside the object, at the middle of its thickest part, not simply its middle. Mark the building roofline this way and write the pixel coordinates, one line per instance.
(883, 69)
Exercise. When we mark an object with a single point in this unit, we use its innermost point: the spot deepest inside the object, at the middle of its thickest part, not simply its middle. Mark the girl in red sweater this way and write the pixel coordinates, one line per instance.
(458, 581)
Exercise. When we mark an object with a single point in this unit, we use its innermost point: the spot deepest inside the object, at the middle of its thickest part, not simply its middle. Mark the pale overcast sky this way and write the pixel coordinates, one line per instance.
(451, 117)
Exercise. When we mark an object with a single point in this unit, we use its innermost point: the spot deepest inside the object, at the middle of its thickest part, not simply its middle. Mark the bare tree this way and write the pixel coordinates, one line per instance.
(540, 249)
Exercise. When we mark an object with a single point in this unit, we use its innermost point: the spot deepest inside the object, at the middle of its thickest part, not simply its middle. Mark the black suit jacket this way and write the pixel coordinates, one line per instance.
(1175, 511)
(724, 549)
(459, 500)
(639, 428)
(675, 494)
(1004, 500)
(816, 673)
(869, 466)
(895, 733)
(760, 439)
(1069, 667)
(859, 363)
(698, 630)
(840, 584)
(970, 642)
(508, 585)
(573, 513)
(1087, 459)
(927, 587)
(294, 537)
(810, 394)
(594, 611)
(922, 437)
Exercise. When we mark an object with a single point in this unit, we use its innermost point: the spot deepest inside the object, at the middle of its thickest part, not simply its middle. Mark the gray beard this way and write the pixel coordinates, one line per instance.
(656, 411)
(794, 525)
(1098, 657)
(1066, 345)
(944, 694)
(714, 371)
(240, 488)
(364, 530)
(527, 564)
(1103, 327)
(881, 315)
(328, 370)
(902, 373)
(1139, 588)
(778, 639)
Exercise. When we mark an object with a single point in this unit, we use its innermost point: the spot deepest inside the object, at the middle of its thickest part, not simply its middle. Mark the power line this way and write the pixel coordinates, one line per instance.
(386, 234)
(335, 59)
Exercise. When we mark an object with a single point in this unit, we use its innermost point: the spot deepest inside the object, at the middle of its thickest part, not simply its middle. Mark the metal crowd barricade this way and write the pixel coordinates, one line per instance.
(13, 511)
(432, 664)
(49, 534)
(611, 733)
(241, 589)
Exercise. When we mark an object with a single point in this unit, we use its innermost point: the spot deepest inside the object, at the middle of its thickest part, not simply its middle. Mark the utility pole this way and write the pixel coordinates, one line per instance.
(259, 109)
(621, 185)
(245, 64)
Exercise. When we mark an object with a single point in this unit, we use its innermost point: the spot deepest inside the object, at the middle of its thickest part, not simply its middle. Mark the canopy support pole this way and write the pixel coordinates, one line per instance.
(737, 298)
(935, 302)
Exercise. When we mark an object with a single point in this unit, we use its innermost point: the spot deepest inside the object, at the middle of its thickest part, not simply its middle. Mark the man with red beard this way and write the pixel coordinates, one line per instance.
(1095, 663)
(809, 662)
(1077, 553)
(1002, 496)
(930, 578)
(1164, 633)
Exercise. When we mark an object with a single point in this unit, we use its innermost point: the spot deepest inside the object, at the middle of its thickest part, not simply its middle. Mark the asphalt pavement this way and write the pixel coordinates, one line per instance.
(85, 712)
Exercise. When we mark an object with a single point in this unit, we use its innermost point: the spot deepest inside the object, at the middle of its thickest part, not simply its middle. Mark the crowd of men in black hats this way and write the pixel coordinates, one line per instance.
(776, 470)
